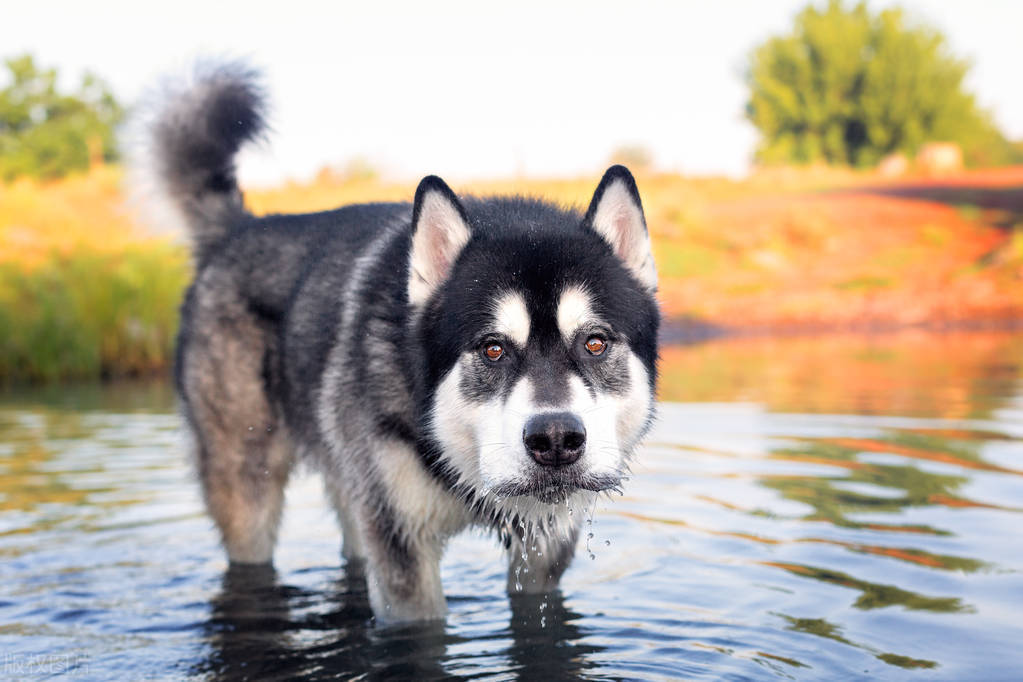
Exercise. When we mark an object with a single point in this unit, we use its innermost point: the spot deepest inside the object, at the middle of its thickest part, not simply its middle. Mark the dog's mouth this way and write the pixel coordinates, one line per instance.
(554, 487)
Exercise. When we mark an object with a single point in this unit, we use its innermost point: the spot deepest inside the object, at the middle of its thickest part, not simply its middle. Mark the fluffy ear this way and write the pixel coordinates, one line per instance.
(439, 233)
(616, 214)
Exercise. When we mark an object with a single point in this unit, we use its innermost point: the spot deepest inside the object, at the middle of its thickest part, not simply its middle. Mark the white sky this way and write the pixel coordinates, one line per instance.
(484, 89)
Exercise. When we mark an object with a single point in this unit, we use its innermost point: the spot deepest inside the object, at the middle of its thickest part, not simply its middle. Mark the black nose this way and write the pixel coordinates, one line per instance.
(555, 438)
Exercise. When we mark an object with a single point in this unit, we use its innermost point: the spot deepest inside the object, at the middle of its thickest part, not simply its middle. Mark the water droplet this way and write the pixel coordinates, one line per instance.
(250, 428)
(592, 556)
(589, 536)
(543, 621)
(607, 542)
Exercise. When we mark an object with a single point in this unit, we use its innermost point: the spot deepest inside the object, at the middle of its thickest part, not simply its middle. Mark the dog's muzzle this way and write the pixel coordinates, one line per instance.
(554, 439)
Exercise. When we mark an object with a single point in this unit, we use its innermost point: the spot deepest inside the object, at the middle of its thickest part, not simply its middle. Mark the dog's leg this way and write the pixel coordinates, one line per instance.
(243, 453)
(352, 546)
(404, 520)
(403, 567)
(537, 562)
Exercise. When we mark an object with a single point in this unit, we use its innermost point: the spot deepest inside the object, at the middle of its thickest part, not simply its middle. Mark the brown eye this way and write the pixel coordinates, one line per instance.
(493, 351)
(596, 345)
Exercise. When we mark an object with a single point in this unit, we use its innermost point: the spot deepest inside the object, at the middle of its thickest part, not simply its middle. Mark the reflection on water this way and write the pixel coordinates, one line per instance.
(835, 507)
(260, 627)
(952, 376)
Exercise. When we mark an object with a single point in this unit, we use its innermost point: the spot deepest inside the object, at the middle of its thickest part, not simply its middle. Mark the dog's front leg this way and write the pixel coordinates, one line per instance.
(402, 570)
(537, 561)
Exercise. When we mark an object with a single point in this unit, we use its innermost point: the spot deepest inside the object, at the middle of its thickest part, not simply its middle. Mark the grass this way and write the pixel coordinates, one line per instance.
(91, 313)
(969, 211)
(865, 283)
(680, 259)
(86, 291)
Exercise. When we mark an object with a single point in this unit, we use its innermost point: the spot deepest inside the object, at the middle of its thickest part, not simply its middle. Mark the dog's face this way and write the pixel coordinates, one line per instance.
(537, 328)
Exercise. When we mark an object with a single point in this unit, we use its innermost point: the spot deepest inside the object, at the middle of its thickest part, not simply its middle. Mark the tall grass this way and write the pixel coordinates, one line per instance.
(85, 291)
(90, 313)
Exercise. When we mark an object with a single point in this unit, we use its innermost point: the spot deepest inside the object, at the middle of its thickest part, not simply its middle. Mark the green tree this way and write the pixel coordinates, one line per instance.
(848, 87)
(45, 133)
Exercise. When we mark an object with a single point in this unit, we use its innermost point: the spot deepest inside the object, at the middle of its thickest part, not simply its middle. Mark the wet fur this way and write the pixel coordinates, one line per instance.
(298, 340)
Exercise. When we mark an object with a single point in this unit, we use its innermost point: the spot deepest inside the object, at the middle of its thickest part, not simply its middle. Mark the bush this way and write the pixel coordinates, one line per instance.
(850, 87)
(48, 134)
(91, 314)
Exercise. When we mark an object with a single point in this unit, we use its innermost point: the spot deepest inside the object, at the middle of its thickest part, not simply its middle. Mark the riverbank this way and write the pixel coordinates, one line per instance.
(88, 290)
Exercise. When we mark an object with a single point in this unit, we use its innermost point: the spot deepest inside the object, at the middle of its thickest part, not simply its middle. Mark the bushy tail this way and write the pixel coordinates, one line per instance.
(191, 141)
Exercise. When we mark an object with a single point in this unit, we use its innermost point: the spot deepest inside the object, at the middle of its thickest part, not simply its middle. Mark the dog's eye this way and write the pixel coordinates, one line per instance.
(493, 352)
(596, 345)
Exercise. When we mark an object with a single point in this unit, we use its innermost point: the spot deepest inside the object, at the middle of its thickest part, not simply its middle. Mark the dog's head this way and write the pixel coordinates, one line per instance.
(537, 332)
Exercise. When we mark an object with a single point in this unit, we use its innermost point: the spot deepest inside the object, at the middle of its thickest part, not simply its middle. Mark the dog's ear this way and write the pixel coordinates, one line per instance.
(616, 214)
(439, 233)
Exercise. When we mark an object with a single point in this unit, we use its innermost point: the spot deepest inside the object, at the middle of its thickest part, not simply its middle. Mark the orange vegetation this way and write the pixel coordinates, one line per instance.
(916, 252)
(786, 249)
(952, 375)
(791, 249)
(39, 221)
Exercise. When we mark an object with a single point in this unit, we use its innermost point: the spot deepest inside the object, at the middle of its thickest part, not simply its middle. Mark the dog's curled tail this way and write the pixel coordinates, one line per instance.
(193, 131)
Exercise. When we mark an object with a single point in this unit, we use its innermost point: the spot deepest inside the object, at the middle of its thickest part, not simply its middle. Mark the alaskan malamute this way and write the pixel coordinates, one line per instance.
(446, 362)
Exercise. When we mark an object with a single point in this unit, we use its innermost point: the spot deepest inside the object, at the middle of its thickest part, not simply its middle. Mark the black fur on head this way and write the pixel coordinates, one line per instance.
(539, 256)
(528, 245)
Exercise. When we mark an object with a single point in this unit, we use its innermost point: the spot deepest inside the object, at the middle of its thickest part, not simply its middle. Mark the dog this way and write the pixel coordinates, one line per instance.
(451, 362)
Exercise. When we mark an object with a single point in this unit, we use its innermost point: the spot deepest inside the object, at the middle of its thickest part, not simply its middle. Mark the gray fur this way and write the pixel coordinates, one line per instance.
(299, 340)
(194, 139)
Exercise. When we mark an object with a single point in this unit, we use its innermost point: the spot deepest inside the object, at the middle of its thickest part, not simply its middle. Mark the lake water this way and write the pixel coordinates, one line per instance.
(828, 508)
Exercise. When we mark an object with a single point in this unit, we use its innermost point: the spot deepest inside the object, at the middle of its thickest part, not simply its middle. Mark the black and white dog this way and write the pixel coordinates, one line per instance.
(455, 361)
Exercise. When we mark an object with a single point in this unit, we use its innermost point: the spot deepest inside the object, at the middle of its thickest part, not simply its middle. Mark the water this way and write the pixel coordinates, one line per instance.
(834, 508)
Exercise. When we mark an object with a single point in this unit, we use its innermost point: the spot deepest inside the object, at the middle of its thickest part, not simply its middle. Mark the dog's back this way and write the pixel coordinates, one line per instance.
(229, 366)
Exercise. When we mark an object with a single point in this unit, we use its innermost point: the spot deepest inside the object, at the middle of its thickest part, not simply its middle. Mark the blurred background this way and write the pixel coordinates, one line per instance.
(835, 193)
(805, 167)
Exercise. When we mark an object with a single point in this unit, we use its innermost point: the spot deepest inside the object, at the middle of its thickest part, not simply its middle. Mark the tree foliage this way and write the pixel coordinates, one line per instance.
(848, 87)
(45, 133)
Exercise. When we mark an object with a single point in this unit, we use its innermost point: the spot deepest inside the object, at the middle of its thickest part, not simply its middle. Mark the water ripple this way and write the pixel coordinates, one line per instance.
(794, 518)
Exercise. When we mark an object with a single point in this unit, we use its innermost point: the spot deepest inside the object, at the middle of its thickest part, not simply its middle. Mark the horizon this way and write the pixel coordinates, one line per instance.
(539, 98)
